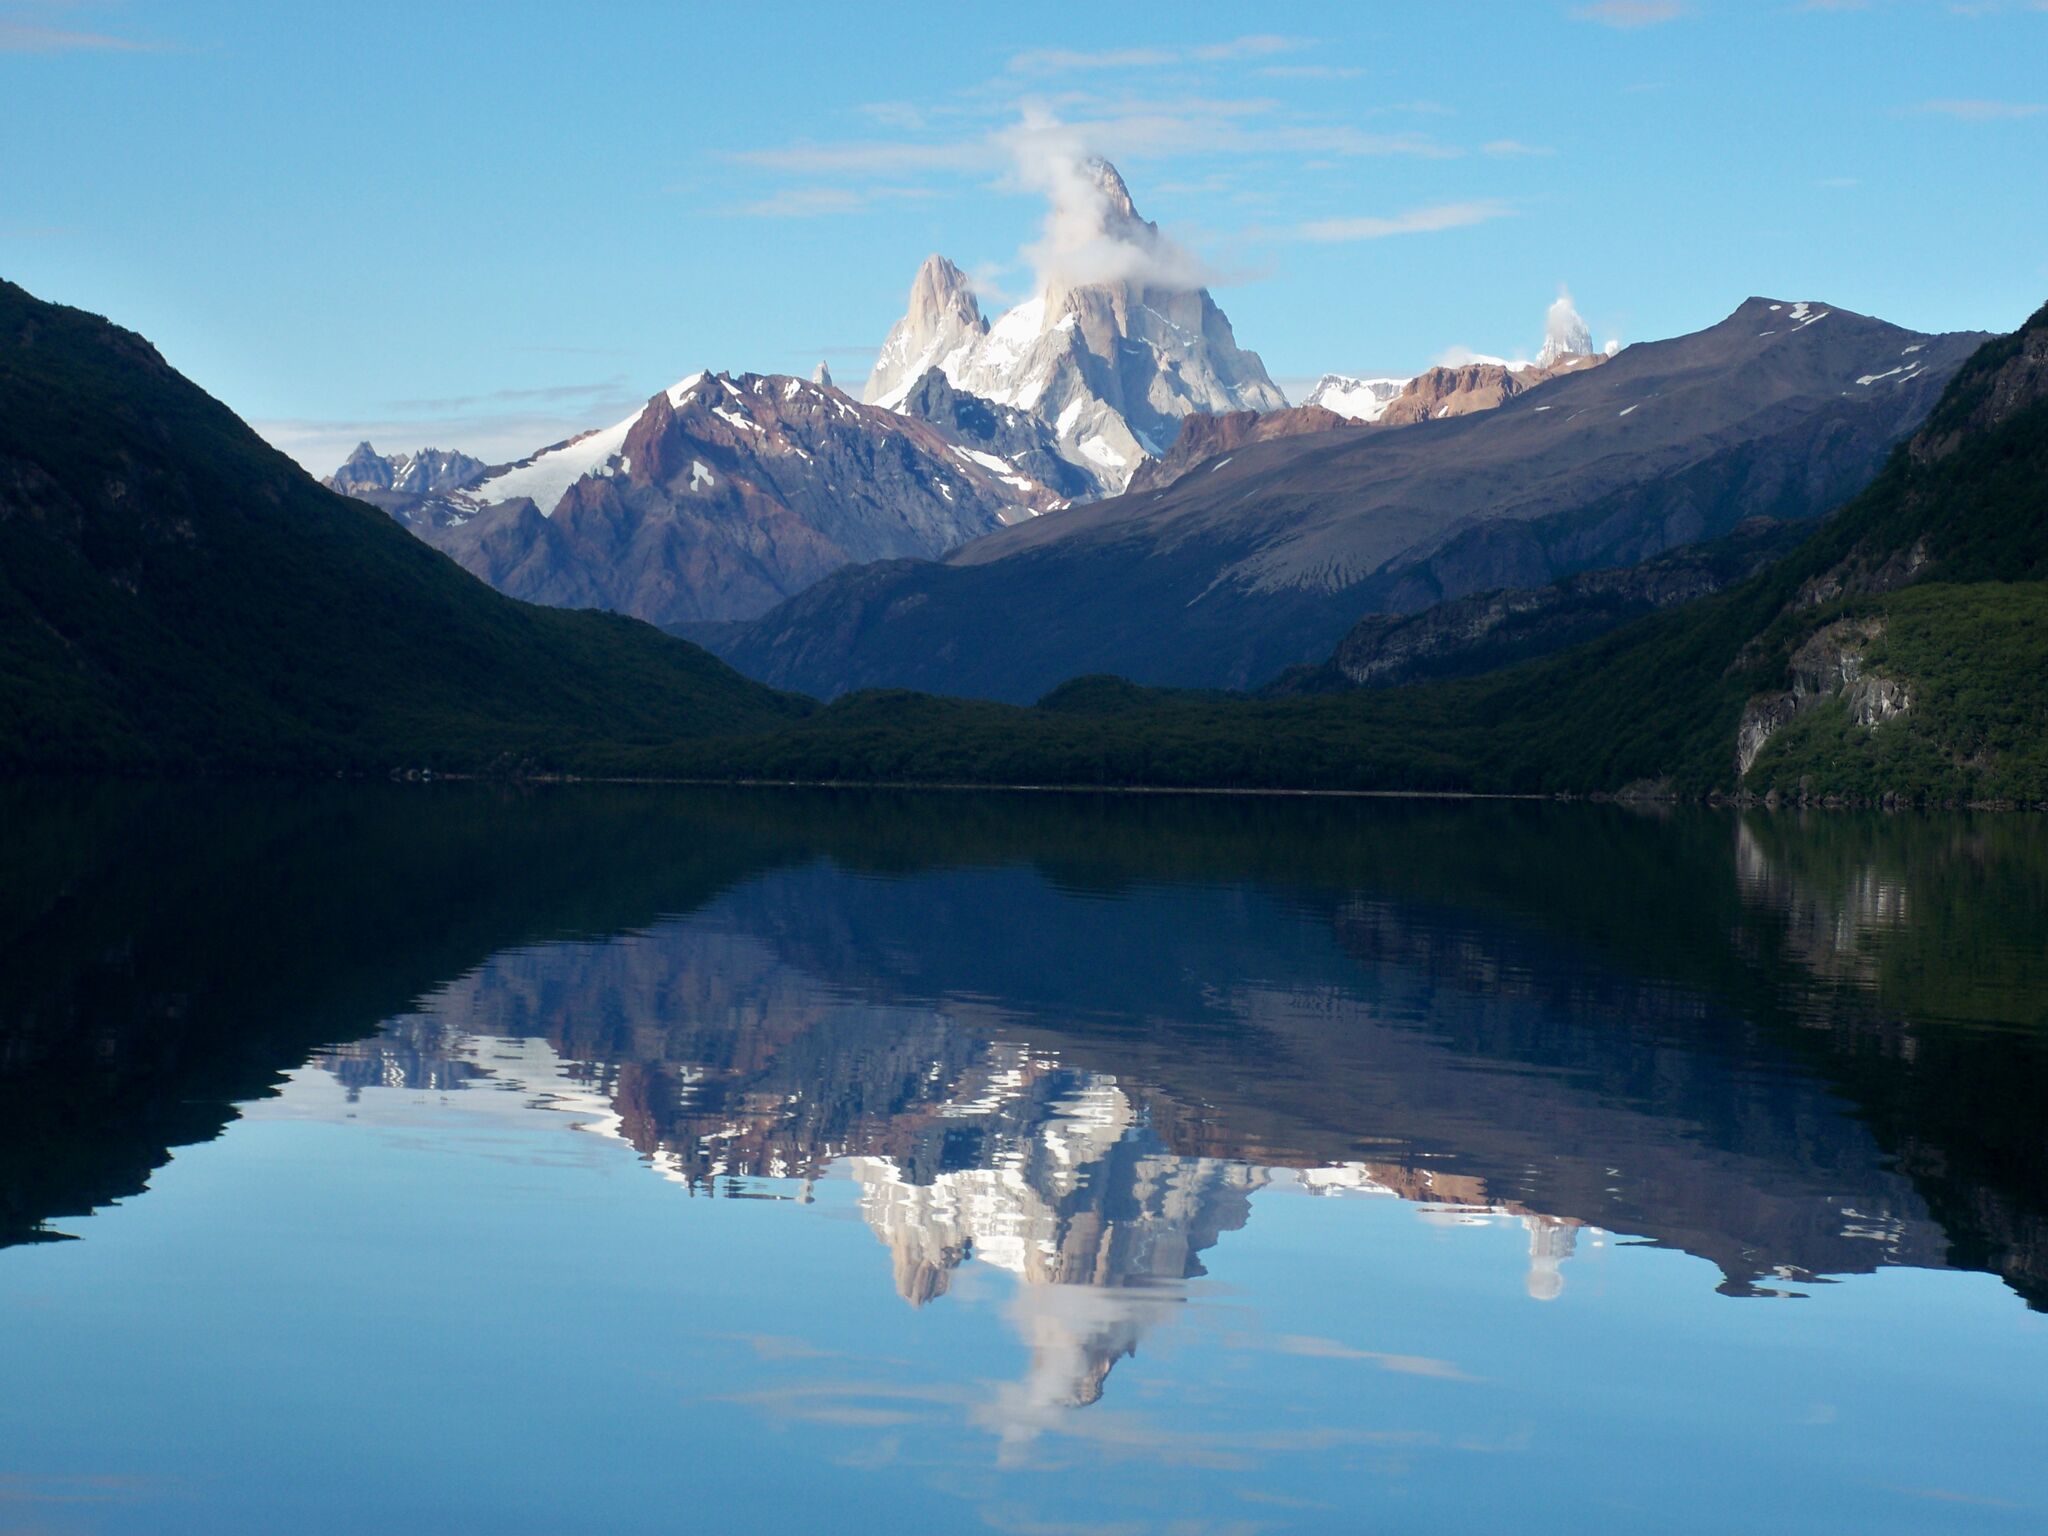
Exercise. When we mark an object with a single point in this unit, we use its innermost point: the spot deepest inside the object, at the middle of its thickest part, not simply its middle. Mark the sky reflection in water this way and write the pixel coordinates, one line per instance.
(667, 1161)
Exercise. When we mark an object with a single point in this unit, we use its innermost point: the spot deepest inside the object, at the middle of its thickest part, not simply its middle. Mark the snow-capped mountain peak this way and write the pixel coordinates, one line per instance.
(1120, 342)
(1358, 399)
(1565, 333)
(941, 328)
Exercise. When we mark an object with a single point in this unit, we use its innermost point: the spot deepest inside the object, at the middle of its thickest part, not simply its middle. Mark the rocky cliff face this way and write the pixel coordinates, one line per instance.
(721, 497)
(1001, 438)
(1210, 439)
(1111, 365)
(1965, 502)
(1829, 664)
(1459, 391)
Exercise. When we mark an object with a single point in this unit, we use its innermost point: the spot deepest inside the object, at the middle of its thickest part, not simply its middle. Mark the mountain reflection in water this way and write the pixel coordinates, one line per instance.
(1077, 1040)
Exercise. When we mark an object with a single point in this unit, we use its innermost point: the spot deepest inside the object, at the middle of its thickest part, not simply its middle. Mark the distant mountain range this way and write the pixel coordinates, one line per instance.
(176, 596)
(719, 498)
(1897, 655)
(1262, 558)
(762, 488)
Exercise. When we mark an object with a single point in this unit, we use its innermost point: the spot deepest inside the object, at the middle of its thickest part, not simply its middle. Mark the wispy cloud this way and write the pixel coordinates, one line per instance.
(1310, 72)
(1629, 13)
(546, 394)
(1514, 147)
(1317, 1348)
(1980, 111)
(1055, 61)
(1416, 221)
(28, 37)
(875, 157)
(496, 427)
(25, 27)
(1119, 130)
(820, 202)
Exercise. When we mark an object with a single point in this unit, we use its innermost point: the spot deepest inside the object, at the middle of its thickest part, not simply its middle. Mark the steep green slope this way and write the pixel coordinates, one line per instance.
(1903, 649)
(175, 594)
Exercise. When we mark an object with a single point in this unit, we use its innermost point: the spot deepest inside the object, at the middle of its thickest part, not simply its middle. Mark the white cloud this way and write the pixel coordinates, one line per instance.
(1514, 147)
(1086, 238)
(29, 37)
(816, 202)
(1310, 72)
(1052, 61)
(1629, 13)
(1563, 326)
(1416, 221)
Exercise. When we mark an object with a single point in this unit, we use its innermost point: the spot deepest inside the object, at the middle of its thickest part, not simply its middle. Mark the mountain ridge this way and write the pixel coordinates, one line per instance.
(721, 496)
(1229, 577)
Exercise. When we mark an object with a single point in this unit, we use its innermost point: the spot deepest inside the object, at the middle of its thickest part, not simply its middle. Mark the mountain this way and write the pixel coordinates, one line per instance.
(719, 498)
(1491, 630)
(1465, 388)
(1474, 384)
(398, 480)
(1565, 334)
(1001, 438)
(1206, 439)
(1899, 655)
(1358, 399)
(175, 594)
(1230, 576)
(1111, 355)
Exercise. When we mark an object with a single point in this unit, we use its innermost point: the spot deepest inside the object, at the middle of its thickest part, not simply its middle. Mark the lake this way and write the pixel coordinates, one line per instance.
(453, 1159)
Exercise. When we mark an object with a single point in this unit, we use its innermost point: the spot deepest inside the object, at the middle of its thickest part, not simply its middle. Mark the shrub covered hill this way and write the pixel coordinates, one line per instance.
(177, 595)
(1902, 650)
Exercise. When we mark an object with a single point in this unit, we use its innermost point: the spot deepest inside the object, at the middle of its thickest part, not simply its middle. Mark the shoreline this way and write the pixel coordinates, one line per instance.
(1772, 801)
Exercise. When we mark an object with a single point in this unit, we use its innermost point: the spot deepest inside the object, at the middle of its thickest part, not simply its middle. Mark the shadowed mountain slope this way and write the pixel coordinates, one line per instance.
(1253, 564)
(176, 594)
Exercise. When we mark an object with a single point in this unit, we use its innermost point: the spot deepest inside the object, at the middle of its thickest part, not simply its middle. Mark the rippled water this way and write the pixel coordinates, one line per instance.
(455, 1160)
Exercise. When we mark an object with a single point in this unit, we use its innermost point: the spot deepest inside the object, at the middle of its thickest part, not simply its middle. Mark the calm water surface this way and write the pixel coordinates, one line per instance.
(452, 1160)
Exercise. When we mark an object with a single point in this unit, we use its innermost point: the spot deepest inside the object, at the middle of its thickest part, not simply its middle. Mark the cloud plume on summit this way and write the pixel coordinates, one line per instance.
(1091, 233)
(1565, 332)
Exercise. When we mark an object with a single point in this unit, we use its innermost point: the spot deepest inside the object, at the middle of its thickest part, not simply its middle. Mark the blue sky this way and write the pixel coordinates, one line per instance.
(483, 227)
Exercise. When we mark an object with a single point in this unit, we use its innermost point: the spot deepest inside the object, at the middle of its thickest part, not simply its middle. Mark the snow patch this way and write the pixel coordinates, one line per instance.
(701, 477)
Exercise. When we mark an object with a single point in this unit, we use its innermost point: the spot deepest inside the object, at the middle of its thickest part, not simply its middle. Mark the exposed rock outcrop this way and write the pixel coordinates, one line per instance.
(1001, 438)
(1204, 439)
(1829, 664)
(1469, 387)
